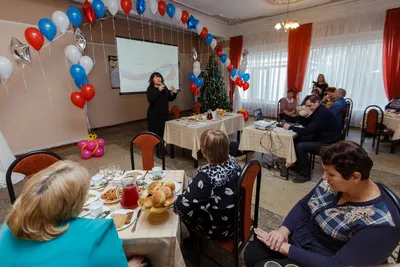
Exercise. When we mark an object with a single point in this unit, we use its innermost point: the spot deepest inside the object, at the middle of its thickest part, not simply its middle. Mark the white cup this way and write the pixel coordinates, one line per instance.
(157, 172)
(97, 179)
(96, 208)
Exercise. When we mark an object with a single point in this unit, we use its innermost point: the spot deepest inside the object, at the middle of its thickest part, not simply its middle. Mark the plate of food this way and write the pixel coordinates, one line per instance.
(110, 196)
(91, 197)
(157, 197)
(122, 218)
(102, 184)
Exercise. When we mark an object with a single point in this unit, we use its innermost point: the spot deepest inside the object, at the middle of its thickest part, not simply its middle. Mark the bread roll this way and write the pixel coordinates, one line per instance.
(169, 201)
(159, 198)
(143, 197)
(167, 191)
(148, 203)
(171, 185)
(153, 187)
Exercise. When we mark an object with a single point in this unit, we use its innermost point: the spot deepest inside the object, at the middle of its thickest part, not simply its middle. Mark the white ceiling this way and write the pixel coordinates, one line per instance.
(247, 9)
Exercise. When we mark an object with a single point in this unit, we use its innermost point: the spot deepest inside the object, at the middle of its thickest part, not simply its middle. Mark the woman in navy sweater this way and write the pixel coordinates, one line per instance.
(346, 220)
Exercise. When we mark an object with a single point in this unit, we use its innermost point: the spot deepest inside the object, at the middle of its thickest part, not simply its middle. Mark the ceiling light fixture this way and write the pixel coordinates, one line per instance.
(288, 24)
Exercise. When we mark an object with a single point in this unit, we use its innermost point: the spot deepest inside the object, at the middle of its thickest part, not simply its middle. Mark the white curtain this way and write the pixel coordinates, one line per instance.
(267, 66)
(349, 54)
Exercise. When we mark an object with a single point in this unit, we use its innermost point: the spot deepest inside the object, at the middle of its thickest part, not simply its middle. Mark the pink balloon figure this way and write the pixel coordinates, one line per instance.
(86, 154)
(101, 142)
(91, 145)
(99, 152)
(82, 143)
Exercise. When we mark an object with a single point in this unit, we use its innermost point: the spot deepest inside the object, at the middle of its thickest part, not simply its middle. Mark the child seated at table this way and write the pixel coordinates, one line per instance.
(208, 203)
(42, 228)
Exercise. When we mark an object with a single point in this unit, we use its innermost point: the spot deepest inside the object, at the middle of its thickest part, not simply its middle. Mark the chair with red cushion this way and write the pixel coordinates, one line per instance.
(175, 113)
(147, 141)
(372, 124)
(243, 224)
(29, 164)
(197, 108)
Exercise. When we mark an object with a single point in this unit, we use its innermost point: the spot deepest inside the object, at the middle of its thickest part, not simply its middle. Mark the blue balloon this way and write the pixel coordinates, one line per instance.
(246, 77)
(223, 58)
(240, 74)
(209, 39)
(74, 16)
(192, 77)
(99, 8)
(81, 83)
(77, 72)
(140, 6)
(47, 28)
(171, 10)
(199, 82)
(233, 72)
(192, 23)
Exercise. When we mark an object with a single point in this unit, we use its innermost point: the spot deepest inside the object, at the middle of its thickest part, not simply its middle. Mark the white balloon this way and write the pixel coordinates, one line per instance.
(61, 21)
(227, 62)
(244, 62)
(178, 14)
(87, 63)
(112, 6)
(196, 72)
(6, 68)
(199, 28)
(196, 65)
(153, 7)
(73, 54)
(242, 68)
(213, 43)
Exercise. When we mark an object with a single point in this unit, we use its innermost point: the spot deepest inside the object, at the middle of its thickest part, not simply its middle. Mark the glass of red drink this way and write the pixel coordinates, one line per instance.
(130, 195)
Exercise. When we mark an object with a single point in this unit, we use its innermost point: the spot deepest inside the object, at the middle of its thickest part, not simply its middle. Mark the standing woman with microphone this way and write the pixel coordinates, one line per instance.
(158, 96)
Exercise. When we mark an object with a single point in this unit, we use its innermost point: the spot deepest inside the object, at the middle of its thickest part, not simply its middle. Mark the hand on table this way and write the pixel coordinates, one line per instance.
(137, 262)
(286, 126)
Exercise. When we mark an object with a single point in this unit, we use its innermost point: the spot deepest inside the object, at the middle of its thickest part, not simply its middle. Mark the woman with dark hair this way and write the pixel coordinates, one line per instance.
(346, 220)
(321, 84)
(158, 96)
(287, 107)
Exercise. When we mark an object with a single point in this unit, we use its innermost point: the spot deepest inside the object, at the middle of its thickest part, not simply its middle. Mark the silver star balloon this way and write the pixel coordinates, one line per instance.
(20, 51)
(194, 53)
(80, 40)
(245, 53)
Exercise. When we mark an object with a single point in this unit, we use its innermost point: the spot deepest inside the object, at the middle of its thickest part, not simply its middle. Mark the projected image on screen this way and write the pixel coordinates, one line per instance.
(139, 59)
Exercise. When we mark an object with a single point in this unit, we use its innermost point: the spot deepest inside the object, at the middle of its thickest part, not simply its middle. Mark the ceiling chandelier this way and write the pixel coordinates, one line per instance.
(288, 24)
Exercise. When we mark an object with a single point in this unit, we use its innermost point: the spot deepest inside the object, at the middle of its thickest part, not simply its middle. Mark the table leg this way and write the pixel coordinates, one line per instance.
(195, 163)
(238, 136)
(172, 151)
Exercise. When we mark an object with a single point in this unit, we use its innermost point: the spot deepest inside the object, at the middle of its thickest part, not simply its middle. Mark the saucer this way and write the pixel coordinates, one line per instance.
(151, 176)
(101, 185)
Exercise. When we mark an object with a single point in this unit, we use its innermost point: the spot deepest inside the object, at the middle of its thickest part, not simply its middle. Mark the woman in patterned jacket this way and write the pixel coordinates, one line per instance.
(346, 220)
(208, 203)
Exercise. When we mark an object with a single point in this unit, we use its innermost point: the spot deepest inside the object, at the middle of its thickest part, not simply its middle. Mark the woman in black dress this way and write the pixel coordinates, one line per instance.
(321, 84)
(158, 96)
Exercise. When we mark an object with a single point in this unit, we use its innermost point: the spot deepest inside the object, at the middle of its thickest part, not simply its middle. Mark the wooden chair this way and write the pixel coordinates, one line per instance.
(29, 164)
(278, 108)
(258, 115)
(197, 108)
(243, 224)
(175, 113)
(373, 115)
(147, 141)
(350, 103)
(396, 201)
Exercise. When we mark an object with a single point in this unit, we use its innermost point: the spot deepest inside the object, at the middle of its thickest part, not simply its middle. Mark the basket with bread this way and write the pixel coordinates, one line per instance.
(158, 197)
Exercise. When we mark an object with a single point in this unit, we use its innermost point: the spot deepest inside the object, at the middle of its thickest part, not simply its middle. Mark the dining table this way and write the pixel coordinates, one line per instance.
(160, 243)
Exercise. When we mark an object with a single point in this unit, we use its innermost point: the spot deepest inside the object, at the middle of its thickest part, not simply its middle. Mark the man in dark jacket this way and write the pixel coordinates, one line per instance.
(321, 128)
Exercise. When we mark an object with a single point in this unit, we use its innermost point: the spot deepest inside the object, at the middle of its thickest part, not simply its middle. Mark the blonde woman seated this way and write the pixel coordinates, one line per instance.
(208, 203)
(43, 230)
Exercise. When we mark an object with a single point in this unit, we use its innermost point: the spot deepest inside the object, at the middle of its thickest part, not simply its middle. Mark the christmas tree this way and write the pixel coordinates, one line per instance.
(213, 93)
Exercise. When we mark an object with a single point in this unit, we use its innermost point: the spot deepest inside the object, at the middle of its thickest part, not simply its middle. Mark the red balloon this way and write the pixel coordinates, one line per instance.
(246, 86)
(239, 82)
(204, 33)
(88, 11)
(193, 87)
(77, 99)
(34, 37)
(88, 92)
(185, 16)
(162, 7)
(229, 68)
(219, 50)
(126, 6)
(197, 92)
